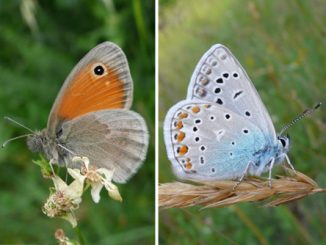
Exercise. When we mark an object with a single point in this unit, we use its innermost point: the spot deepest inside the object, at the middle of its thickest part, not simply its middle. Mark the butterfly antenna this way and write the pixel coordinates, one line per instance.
(15, 138)
(19, 124)
(305, 113)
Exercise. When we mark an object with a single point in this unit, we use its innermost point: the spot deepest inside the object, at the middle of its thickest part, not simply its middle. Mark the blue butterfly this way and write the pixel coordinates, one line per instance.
(223, 130)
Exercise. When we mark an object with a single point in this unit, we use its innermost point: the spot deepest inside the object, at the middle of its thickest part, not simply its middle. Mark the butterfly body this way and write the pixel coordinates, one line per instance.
(91, 117)
(264, 156)
(222, 130)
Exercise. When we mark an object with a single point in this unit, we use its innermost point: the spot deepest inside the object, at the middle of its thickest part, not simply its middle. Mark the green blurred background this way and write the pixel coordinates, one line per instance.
(40, 42)
(282, 46)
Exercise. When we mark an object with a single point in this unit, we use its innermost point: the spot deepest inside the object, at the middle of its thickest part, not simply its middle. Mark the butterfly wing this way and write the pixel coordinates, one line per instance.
(206, 141)
(219, 78)
(114, 139)
(101, 80)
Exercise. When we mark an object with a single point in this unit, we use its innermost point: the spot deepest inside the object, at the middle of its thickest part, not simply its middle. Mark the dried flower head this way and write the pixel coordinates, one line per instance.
(64, 199)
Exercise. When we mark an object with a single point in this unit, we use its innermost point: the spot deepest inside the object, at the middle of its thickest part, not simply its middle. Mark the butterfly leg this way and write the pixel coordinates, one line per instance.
(289, 162)
(271, 165)
(245, 172)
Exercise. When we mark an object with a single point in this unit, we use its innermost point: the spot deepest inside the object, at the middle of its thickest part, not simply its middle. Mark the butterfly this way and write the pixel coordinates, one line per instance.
(91, 118)
(222, 130)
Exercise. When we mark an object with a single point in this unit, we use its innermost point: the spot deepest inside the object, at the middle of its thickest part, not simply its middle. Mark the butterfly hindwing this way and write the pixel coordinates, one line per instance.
(206, 141)
(219, 78)
(114, 139)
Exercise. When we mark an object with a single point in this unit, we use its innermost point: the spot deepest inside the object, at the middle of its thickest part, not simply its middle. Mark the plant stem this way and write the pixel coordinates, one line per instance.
(80, 236)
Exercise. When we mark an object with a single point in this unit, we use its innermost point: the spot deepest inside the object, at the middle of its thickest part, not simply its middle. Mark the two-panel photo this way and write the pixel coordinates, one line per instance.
(162, 122)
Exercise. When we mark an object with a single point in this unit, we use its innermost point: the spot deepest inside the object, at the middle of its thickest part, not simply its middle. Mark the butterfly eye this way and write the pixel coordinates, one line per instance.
(283, 142)
(99, 70)
(59, 133)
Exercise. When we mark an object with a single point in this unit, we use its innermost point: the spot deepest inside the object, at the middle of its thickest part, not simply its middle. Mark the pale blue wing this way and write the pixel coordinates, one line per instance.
(206, 141)
(219, 78)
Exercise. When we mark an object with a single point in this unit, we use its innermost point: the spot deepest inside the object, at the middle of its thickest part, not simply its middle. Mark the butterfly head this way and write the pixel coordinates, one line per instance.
(284, 142)
(37, 141)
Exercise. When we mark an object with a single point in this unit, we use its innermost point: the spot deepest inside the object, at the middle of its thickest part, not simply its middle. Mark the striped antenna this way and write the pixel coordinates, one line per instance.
(306, 112)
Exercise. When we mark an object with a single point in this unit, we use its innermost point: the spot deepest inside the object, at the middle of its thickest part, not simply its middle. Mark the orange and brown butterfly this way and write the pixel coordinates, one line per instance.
(91, 118)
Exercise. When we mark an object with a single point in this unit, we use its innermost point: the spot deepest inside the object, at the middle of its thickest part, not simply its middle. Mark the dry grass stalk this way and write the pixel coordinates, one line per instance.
(284, 189)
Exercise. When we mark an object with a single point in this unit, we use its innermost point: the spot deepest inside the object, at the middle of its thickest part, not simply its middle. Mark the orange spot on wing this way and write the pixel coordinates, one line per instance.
(183, 150)
(183, 115)
(179, 125)
(181, 136)
(188, 165)
(88, 92)
(195, 109)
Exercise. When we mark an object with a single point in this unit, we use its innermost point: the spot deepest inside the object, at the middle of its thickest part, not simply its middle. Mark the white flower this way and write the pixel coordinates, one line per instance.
(97, 178)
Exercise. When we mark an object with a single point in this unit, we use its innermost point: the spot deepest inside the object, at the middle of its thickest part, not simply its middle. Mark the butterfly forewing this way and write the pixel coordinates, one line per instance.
(208, 141)
(219, 78)
(114, 139)
(101, 80)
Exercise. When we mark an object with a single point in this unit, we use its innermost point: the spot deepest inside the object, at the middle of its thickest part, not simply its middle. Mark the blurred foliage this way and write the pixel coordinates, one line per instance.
(281, 44)
(40, 43)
